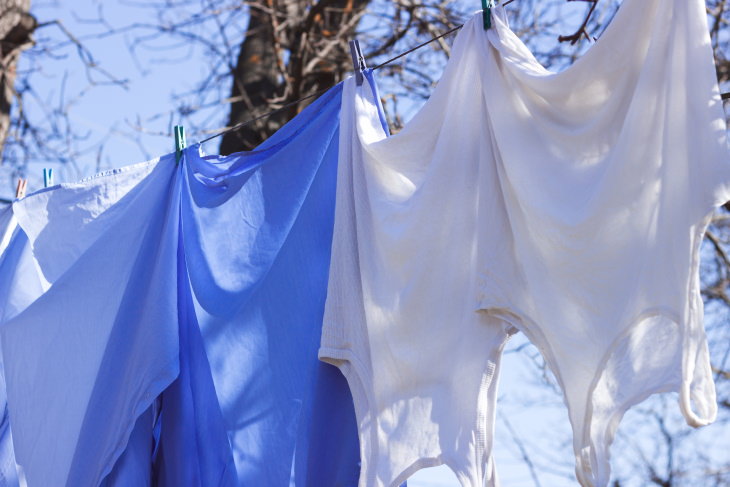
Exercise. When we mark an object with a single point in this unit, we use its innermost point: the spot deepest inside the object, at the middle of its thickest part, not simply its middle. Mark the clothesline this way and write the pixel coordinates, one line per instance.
(238, 126)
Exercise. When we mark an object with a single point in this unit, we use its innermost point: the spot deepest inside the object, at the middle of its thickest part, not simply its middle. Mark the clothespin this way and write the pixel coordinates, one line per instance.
(47, 177)
(487, 13)
(179, 142)
(358, 60)
(20, 188)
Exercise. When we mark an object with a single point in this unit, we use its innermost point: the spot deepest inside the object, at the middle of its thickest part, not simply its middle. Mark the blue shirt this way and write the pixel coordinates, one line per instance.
(203, 285)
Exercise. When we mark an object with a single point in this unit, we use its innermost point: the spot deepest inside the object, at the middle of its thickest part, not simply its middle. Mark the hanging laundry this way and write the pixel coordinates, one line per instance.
(401, 317)
(609, 178)
(87, 358)
(20, 280)
(262, 226)
(193, 448)
(254, 235)
(134, 466)
(20, 285)
(570, 206)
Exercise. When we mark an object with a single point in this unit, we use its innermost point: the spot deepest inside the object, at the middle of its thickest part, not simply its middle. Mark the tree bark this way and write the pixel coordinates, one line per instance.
(16, 28)
(313, 40)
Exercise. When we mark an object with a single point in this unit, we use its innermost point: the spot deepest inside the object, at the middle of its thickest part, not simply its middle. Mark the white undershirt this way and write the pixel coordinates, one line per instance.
(569, 205)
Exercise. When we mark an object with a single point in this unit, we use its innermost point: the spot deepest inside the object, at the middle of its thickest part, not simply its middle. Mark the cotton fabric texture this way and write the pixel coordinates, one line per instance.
(570, 206)
(401, 317)
(20, 285)
(200, 287)
(89, 356)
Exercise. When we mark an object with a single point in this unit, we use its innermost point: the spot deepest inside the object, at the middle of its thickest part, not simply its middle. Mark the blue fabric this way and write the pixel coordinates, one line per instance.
(133, 468)
(8, 473)
(262, 224)
(148, 309)
(20, 285)
(8, 265)
(193, 446)
(89, 356)
(208, 289)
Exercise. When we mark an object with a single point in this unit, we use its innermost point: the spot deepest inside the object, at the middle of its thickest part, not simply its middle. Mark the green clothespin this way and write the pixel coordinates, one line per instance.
(487, 13)
(47, 177)
(179, 142)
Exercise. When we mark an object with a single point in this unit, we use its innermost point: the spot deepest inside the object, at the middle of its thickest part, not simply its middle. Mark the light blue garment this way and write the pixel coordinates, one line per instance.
(9, 264)
(134, 468)
(89, 356)
(256, 232)
(111, 336)
(20, 282)
(20, 285)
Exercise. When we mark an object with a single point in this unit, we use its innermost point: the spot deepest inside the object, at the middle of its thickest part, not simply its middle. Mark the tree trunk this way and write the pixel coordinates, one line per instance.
(313, 40)
(16, 28)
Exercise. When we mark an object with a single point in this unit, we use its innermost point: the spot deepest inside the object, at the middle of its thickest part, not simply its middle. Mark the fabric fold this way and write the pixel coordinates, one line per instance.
(20, 285)
(401, 320)
(609, 177)
(202, 285)
(260, 223)
(570, 206)
(75, 391)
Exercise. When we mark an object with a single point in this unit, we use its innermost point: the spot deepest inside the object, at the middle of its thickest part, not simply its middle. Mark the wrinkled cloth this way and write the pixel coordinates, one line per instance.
(401, 318)
(609, 178)
(20, 280)
(193, 447)
(20, 285)
(570, 206)
(89, 356)
(248, 236)
(262, 221)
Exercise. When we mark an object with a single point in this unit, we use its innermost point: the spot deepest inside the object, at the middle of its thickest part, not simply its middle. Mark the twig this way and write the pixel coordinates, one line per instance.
(718, 248)
(86, 56)
(575, 36)
(523, 451)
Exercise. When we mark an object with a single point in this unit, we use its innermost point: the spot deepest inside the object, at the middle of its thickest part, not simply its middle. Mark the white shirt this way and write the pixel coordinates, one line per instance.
(569, 205)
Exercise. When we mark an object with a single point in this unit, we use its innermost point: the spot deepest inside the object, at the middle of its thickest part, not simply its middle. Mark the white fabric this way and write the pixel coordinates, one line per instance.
(400, 318)
(570, 205)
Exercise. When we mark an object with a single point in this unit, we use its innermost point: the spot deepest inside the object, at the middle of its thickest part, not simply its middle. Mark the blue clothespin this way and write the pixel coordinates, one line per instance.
(358, 60)
(179, 142)
(47, 177)
(487, 13)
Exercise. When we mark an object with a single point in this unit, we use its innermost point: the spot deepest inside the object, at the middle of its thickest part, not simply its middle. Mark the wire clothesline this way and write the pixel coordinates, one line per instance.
(238, 126)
